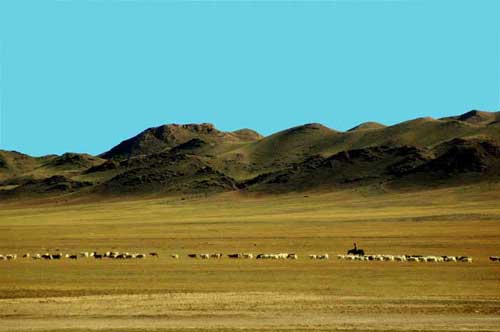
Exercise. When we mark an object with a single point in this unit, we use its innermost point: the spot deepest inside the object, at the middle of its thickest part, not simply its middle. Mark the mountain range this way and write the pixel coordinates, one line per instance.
(199, 158)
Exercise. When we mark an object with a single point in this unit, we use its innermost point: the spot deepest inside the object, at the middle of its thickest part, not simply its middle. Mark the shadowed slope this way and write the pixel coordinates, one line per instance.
(167, 172)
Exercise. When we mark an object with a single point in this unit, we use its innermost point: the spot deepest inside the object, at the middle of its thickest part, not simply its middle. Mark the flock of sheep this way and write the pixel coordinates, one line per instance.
(406, 258)
(275, 256)
(83, 254)
(246, 256)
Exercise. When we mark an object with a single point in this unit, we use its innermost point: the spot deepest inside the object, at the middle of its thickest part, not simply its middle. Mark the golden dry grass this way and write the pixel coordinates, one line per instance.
(164, 294)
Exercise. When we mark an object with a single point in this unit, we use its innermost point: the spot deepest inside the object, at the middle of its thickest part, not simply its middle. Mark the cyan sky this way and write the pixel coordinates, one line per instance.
(83, 75)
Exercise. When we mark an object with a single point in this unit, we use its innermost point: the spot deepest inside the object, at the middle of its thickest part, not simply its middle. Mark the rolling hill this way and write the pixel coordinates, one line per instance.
(198, 158)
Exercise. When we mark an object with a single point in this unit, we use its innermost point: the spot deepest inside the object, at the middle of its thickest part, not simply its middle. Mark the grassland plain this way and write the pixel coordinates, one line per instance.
(247, 295)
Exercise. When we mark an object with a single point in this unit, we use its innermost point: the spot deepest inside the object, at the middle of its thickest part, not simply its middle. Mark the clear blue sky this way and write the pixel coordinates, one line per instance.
(83, 75)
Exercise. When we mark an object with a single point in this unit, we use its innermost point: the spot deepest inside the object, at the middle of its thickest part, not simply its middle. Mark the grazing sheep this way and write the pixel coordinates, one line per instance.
(175, 256)
(234, 255)
(204, 256)
(263, 256)
(293, 256)
(154, 254)
(247, 255)
(112, 255)
(216, 256)
(27, 255)
(192, 255)
(494, 258)
(465, 259)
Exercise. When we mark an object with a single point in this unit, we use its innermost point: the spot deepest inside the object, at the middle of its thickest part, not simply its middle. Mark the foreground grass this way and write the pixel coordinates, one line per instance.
(457, 221)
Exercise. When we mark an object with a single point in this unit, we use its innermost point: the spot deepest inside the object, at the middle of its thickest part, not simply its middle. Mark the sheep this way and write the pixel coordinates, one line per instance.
(263, 256)
(465, 259)
(192, 255)
(204, 256)
(175, 256)
(247, 255)
(293, 256)
(316, 256)
(216, 256)
(154, 254)
(494, 258)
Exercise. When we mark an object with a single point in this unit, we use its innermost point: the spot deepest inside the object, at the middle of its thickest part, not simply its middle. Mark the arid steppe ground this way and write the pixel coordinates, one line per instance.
(162, 294)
